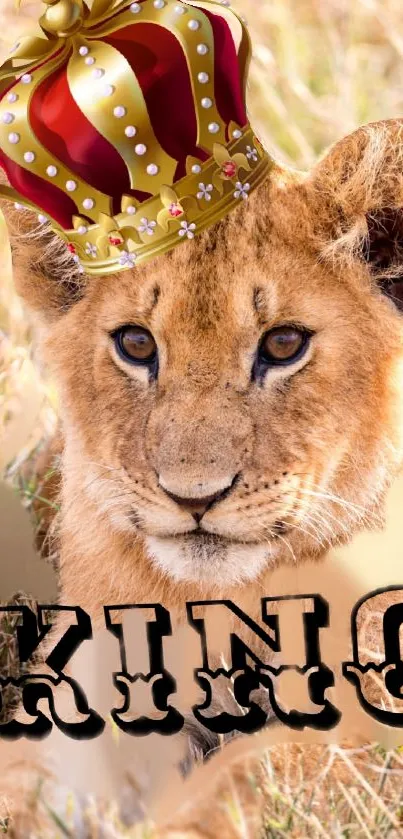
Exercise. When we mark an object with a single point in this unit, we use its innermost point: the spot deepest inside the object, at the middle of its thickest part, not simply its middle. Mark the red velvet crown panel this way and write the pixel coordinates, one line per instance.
(160, 65)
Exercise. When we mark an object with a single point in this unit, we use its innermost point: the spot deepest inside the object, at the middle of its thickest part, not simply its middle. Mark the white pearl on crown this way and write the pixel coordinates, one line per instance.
(196, 168)
(237, 134)
(120, 111)
(8, 118)
(194, 25)
(207, 103)
(88, 203)
(98, 73)
(159, 4)
(180, 10)
(71, 186)
(89, 61)
(131, 210)
(42, 219)
(202, 49)
(14, 138)
(153, 169)
(214, 128)
(51, 171)
(140, 148)
(18, 206)
(26, 78)
(130, 131)
(29, 156)
(203, 78)
(12, 97)
(83, 51)
(135, 8)
(108, 90)
(82, 229)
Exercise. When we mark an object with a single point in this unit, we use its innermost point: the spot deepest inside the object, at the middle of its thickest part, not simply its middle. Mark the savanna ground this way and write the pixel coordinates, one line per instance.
(320, 69)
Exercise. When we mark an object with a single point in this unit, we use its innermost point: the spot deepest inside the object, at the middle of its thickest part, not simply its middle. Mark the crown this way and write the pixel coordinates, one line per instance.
(125, 126)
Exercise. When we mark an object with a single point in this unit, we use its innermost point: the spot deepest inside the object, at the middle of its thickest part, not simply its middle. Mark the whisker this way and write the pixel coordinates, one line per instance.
(328, 532)
(287, 544)
(315, 535)
(336, 499)
(325, 516)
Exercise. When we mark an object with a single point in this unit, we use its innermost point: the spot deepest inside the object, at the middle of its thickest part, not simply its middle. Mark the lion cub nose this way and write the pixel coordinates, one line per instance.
(195, 504)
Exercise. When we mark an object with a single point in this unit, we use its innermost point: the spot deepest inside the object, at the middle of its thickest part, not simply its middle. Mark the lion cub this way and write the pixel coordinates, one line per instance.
(235, 404)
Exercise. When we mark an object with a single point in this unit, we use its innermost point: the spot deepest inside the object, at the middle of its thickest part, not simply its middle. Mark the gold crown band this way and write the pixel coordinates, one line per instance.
(145, 230)
(204, 196)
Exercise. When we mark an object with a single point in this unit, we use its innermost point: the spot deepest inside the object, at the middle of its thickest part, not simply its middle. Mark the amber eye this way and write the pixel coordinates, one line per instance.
(283, 345)
(136, 345)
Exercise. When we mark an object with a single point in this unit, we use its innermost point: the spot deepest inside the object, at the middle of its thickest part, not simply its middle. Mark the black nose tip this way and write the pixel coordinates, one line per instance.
(195, 506)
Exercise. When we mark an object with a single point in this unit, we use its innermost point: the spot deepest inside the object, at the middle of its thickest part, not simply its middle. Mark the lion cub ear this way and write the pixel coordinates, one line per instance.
(44, 272)
(358, 188)
(384, 252)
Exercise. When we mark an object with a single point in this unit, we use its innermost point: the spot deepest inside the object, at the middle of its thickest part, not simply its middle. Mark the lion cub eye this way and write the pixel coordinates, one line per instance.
(135, 344)
(283, 345)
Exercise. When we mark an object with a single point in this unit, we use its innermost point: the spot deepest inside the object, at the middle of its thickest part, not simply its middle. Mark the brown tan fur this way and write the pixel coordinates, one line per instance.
(315, 446)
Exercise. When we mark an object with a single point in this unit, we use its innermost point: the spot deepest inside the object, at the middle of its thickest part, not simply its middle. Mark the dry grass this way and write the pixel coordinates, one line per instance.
(320, 69)
(298, 792)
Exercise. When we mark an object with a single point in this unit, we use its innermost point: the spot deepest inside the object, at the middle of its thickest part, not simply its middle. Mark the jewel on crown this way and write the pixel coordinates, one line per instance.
(128, 112)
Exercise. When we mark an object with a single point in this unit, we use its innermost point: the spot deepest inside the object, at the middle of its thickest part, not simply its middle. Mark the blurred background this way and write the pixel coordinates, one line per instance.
(320, 69)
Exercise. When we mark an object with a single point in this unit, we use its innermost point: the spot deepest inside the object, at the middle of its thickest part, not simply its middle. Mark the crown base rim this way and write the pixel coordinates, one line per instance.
(204, 222)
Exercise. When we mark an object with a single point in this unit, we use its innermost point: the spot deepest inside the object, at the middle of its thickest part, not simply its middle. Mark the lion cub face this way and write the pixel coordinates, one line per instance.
(235, 403)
